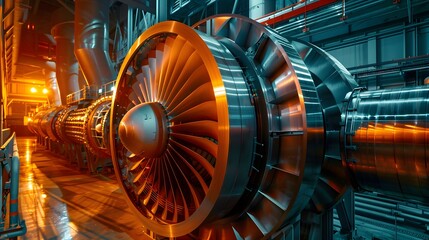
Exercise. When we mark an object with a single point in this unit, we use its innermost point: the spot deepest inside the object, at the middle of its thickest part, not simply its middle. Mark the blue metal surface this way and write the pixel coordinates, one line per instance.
(381, 217)
(11, 224)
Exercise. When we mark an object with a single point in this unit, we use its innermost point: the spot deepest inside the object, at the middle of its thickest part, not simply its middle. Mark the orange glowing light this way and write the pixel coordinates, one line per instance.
(45, 91)
(33, 90)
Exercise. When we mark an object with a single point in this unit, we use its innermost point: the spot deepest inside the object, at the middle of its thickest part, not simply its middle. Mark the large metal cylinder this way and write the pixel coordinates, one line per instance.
(95, 123)
(83, 125)
(92, 41)
(385, 140)
(74, 125)
(67, 66)
(36, 124)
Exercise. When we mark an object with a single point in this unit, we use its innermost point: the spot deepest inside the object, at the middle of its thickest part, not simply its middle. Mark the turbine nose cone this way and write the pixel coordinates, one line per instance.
(143, 130)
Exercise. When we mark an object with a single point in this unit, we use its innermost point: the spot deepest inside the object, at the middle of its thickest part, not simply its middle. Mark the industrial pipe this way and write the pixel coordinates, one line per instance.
(293, 11)
(54, 98)
(258, 8)
(92, 41)
(80, 125)
(67, 66)
(385, 141)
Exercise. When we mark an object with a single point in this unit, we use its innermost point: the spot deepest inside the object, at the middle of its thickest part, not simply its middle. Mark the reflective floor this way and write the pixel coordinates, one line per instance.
(57, 201)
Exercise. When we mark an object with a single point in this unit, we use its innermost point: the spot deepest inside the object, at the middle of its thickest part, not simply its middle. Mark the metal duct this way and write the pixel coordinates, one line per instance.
(67, 66)
(92, 41)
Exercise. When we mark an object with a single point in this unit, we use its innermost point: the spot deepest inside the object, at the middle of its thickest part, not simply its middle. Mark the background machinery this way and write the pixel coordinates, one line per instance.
(228, 130)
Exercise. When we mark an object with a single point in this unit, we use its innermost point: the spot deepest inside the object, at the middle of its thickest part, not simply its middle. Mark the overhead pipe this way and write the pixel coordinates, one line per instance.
(293, 11)
(67, 66)
(335, 13)
(92, 41)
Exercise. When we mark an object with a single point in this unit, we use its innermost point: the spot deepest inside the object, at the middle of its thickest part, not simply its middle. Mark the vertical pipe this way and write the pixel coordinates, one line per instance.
(258, 8)
(410, 11)
(14, 186)
(234, 8)
(161, 11)
(67, 66)
(130, 27)
(11, 166)
(51, 83)
(92, 41)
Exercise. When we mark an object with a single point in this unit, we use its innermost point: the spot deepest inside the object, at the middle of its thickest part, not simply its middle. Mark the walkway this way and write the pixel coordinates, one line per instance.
(57, 201)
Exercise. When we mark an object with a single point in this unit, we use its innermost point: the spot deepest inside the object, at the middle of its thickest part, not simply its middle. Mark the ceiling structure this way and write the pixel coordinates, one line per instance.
(29, 49)
(39, 45)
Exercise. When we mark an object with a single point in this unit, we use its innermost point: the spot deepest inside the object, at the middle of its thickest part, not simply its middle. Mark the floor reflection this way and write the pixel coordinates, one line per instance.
(59, 202)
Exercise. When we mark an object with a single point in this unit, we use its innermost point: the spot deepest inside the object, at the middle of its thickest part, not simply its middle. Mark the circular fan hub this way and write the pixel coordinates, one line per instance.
(143, 130)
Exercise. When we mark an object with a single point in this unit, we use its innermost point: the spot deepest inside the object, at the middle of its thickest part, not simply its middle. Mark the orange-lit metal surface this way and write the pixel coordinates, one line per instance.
(59, 124)
(51, 121)
(35, 125)
(74, 125)
(214, 166)
(191, 182)
(386, 137)
(95, 121)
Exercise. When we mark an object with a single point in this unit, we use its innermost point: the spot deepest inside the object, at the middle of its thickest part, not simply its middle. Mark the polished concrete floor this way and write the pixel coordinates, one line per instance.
(58, 201)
